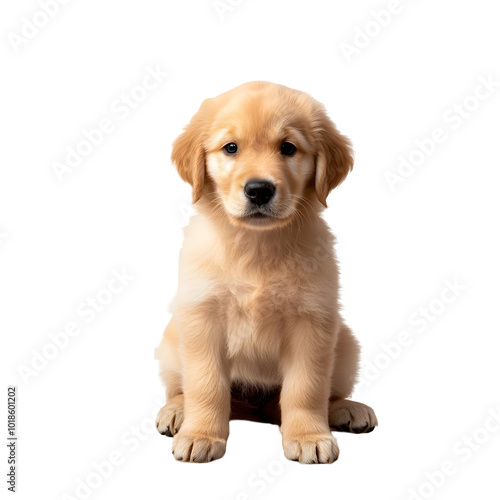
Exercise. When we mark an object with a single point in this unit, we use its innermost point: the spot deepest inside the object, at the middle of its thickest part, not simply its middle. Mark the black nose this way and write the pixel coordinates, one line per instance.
(259, 192)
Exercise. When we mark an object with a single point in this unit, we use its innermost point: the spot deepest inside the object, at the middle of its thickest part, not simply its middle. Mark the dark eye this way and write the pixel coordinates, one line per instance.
(230, 148)
(287, 149)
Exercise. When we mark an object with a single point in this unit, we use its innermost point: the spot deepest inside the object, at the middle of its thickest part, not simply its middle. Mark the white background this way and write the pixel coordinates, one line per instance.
(123, 207)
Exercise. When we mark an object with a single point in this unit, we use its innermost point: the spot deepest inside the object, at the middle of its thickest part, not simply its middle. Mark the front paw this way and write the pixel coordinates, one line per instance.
(311, 448)
(195, 447)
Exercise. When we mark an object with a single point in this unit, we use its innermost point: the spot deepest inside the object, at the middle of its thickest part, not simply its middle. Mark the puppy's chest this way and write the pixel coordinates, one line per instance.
(257, 315)
(258, 300)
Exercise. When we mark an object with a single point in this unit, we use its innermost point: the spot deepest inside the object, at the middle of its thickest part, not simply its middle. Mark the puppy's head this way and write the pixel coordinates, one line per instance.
(262, 154)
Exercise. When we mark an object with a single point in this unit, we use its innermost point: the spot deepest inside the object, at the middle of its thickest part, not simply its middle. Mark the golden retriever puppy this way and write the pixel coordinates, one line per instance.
(256, 331)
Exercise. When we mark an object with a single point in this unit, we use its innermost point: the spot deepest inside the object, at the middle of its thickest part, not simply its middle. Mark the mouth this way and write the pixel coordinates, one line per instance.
(262, 217)
(258, 215)
(261, 220)
(257, 218)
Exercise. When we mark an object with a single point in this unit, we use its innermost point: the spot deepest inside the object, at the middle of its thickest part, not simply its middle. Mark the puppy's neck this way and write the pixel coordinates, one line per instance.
(264, 243)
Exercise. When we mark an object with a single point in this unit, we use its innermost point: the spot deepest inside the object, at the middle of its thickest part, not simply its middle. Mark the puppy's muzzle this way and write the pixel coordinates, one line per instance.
(259, 191)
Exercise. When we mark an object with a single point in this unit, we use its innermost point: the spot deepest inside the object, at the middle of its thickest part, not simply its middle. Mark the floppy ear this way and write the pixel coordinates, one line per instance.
(334, 158)
(188, 153)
